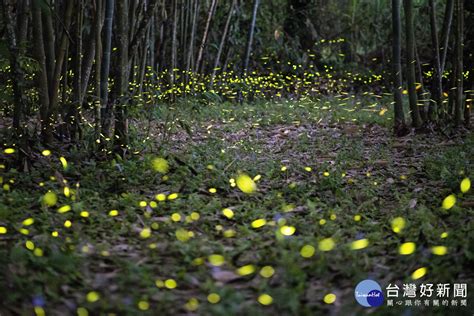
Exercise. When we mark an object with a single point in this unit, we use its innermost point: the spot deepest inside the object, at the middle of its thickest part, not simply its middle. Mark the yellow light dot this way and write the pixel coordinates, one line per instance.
(229, 233)
(153, 204)
(39, 311)
(246, 184)
(195, 216)
(159, 283)
(398, 223)
(24, 231)
(227, 212)
(444, 235)
(38, 252)
(160, 197)
(259, 223)
(322, 221)
(326, 244)
(216, 260)
(173, 196)
(439, 250)
(29, 245)
(46, 152)
(329, 298)
(143, 305)
(265, 299)
(175, 217)
(145, 233)
(257, 177)
(309, 169)
(142, 204)
(81, 311)
(407, 248)
(67, 224)
(9, 151)
(333, 217)
(326, 174)
(84, 214)
(92, 297)
(357, 218)
(212, 190)
(64, 209)
(3, 230)
(246, 270)
(465, 185)
(28, 222)
(419, 273)
(192, 305)
(170, 284)
(50, 199)
(213, 298)
(283, 168)
(307, 251)
(55, 234)
(160, 165)
(66, 191)
(359, 244)
(267, 271)
(63, 162)
(449, 202)
(287, 230)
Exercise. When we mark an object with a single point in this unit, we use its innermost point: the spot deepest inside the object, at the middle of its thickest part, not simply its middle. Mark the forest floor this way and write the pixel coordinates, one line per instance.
(325, 178)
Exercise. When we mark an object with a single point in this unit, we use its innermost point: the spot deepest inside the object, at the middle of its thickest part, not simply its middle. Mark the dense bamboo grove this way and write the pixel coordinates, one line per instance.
(236, 157)
(68, 62)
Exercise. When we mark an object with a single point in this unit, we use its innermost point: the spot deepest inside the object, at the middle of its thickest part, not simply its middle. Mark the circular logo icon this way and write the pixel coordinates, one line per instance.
(368, 293)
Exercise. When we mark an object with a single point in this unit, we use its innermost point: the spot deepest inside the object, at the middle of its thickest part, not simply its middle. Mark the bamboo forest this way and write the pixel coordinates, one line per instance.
(236, 157)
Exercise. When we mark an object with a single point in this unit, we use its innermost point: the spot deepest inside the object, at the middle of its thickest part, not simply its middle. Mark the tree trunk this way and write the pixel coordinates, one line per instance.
(205, 35)
(437, 86)
(222, 43)
(411, 60)
(121, 77)
(42, 74)
(445, 31)
(105, 70)
(190, 55)
(459, 99)
(16, 70)
(397, 69)
(248, 49)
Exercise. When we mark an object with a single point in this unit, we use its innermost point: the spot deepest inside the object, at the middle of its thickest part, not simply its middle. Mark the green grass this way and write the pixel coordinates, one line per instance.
(383, 176)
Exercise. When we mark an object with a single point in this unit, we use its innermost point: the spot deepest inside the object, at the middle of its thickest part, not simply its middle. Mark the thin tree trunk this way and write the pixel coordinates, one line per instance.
(121, 77)
(48, 35)
(174, 32)
(42, 74)
(411, 60)
(437, 86)
(16, 70)
(190, 59)
(73, 114)
(397, 69)
(58, 65)
(205, 35)
(459, 99)
(248, 49)
(420, 88)
(445, 31)
(222, 43)
(98, 62)
(105, 70)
